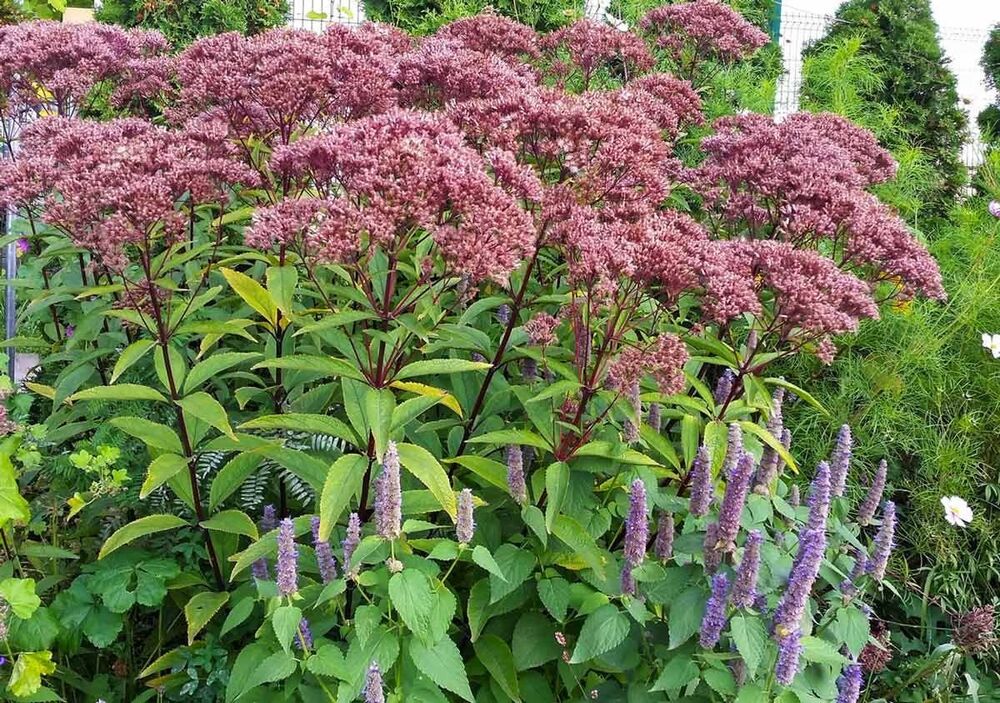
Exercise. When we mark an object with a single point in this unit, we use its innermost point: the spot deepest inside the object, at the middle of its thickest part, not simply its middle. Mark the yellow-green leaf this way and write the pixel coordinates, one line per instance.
(206, 408)
(131, 354)
(422, 464)
(161, 470)
(200, 610)
(342, 482)
(121, 391)
(148, 525)
(234, 522)
(26, 677)
(253, 294)
(445, 398)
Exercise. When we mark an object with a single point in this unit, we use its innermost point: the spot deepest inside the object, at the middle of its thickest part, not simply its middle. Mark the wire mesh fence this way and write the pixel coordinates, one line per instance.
(317, 15)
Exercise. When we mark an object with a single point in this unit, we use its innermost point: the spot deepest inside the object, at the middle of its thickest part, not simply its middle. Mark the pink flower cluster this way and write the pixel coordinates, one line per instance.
(707, 28)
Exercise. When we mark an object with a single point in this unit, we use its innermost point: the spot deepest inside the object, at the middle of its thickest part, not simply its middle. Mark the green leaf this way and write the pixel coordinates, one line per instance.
(822, 652)
(852, 628)
(603, 630)
(233, 522)
(442, 664)
(481, 555)
(721, 681)
(20, 595)
(277, 667)
(13, 506)
(213, 366)
(130, 355)
(200, 609)
(805, 395)
(237, 615)
(337, 319)
(677, 673)
(231, 477)
(424, 391)
(323, 365)
(342, 482)
(161, 470)
(690, 437)
(751, 694)
(303, 422)
(413, 598)
(281, 282)
(266, 546)
(328, 661)
(576, 536)
(379, 404)
(422, 464)
(750, 637)
(152, 433)
(253, 294)
(26, 677)
(554, 594)
(148, 525)
(505, 437)
(556, 485)
(771, 441)
(121, 391)
(533, 643)
(686, 612)
(535, 519)
(207, 409)
(516, 566)
(286, 621)
(431, 367)
(492, 472)
(494, 654)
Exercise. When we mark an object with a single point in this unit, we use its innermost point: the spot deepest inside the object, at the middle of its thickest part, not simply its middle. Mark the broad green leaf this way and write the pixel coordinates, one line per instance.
(286, 621)
(130, 355)
(207, 409)
(13, 506)
(442, 664)
(806, 396)
(481, 555)
(161, 470)
(237, 615)
(20, 595)
(771, 441)
(851, 627)
(516, 565)
(579, 540)
(121, 391)
(214, 365)
(721, 681)
(233, 522)
(152, 433)
(342, 482)
(281, 282)
(200, 609)
(444, 397)
(337, 319)
(822, 652)
(603, 630)
(253, 294)
(277, 667)
(505, 437)
(414, 599)
(556, 485)
(303, 422)
(231, 477)
(328, 661)
(494, 654)
(490, 471)
(422, 464)
(554, 594)
(379, 404)
(432, 367)
(617, 452)
(26, 677)
(165, 661)
(678, 671)
(148, 525)
(690, 437)
(323, 365)
(750, 638)
(686, 612)
(752, 694)
(535, 519)
(533, 643)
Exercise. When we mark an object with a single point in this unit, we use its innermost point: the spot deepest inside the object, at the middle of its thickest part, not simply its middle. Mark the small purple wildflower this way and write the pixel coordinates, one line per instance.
(819, 498)
(269, 520)
(324, 554)
(389, 496)
(288, 558)
(503, 314)
(805, 568)
(663, 547)
(868, 507)
(305, 638)
(789, 651)
(994, 208)
(465, 527)
(734, 450)
(849, 586)
(23, 246)
(701, 483)
(849, 684)
(374, 692)
(351, 539)
(68, 331)
(840, 462)
(882, 547)
(724, 387)
(712, 551)
(734, 499)
(653, 418)
(745, 588)
(515, 474)
(714, 618)
(627, 580)
(770, 461)
(636, 524)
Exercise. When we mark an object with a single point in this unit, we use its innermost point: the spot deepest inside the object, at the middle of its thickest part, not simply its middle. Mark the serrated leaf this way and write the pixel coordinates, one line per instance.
(162, 469)
(422, 464)
(130, 355)
(207, 409)
(494, 654)
(505, 437)
(148, 525)
(750, 637)
(214, 365)
(533, 643)
(433, 367)
(201, 609)
(324, 365)
(822, 652)
(286, 621)
(20, 595)
(121, 391)
(603, 630)
(342, 482)
(231, 477)
(685, 615)
(481, 555)
(328, 661)
(234, 522)
(576, 537)
(554, 594)
(414, 599)
(237, 615)
(442, 396)
(252, 293)
(516, 565)
(556, 486)
(26, 677)
(303, 422)
(443, 664)
(851, 627)
(153, 434)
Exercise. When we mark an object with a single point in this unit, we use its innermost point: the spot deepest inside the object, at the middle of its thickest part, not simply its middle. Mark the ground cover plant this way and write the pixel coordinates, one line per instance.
(393, 369)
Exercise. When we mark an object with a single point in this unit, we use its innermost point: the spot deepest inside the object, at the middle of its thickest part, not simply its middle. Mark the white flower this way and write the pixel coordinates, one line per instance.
(992, 342)
(956, 511)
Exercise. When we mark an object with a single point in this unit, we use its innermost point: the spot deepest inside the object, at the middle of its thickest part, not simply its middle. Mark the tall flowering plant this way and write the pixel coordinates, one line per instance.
(491, 346)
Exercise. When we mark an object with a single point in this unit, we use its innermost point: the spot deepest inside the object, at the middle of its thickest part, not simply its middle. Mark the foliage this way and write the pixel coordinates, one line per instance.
(183, 21)
(10, 12)
(426, 16)
(914, 84)
(476, 316)
(989, 118)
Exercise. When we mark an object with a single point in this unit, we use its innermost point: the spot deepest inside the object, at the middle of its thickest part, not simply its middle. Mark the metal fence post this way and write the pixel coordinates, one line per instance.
(10, 270)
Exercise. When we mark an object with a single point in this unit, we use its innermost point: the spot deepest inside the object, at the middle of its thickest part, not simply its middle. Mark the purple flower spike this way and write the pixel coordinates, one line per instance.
(849, 586)
(724, 386)
(840, 462)
(770, 462)
(627, 581)
(636, 525)
(305, 639)
(351, 539)
(745, 588)
(324, 554)
(269, 520)
(713, 552)
(819, 498)
(288, 558)
(701, 483)
(789, 651)
(653, 418)
(849, 684)
(374, 692)
(734, 499)
(714, 618)
(465, 527)
(792, 606)
(734, 450)
(868, 507)
(664, 544)
(882, 548)
(389, 496)
(515, 474)
(503, 314)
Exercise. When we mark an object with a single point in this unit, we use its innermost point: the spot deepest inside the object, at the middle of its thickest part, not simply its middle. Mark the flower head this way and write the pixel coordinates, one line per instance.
(866, 511)
(702, 488)
(994, 208)
(389, 496)
(374, 692)
(351, 539)
(789, 652)
(992, 343)
(849, 684)
(515, 474)
(324, 554)
(956, 511)
(636, 524)
(882, 547)
(819, 498)
(805, 569)
(288, 558)
(663, 546)
(714, 618)
(724, 386)
(840, 462)
(975, 631)
(734, 500)
(745, 588)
